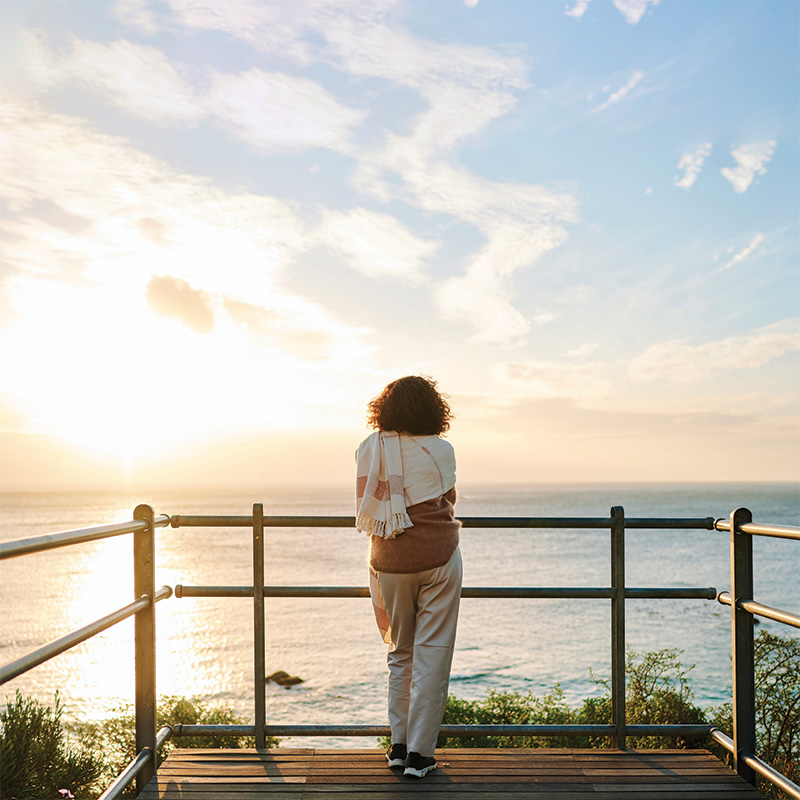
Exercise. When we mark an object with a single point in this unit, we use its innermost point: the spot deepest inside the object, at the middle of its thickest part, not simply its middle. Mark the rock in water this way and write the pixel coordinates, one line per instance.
(284, 678)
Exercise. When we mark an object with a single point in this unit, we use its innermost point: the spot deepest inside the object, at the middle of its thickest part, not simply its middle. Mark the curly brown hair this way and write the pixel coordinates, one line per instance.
(412, 405)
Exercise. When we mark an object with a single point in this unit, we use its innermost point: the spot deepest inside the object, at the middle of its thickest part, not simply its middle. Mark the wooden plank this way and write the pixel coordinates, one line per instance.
(474, 774)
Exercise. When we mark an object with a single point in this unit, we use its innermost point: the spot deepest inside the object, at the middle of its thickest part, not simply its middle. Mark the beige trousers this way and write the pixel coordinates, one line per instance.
(422, 609)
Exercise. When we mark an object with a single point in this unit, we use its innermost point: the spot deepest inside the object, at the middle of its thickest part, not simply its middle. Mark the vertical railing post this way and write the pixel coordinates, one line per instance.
(618, 626)
(744, 694)
(145, 641)
(259, 668)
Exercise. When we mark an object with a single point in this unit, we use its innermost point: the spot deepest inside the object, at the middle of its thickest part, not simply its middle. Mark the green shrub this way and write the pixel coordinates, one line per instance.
(509, 708)
(37, 758)
(777, 684)
(116, 736)
(658, 693)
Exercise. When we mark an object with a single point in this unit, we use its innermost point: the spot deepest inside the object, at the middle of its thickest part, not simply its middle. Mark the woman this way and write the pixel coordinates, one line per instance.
(405, 494)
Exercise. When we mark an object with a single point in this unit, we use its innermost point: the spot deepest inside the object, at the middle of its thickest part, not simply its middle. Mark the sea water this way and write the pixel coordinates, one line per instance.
(205, 645)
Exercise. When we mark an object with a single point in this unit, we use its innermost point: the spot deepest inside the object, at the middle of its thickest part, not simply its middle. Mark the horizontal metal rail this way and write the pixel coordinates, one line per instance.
(50, 541)
(27, 662)
(658, 523)
(126, 777)
(762, 529)
(518, 592)
(759, 609)
(687, 731)
(761, 767)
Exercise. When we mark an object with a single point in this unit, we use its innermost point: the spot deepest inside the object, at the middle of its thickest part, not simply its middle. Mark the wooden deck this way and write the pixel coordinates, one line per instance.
(314, 774)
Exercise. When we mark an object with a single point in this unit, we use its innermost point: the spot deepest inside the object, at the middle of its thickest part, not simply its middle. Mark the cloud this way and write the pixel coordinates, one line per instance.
(279, 328)
(750, 159)
(483, 295)
(746, 252)
(172, 297)
(692, 163)
(600, 382)
(634, 10)
(540, 379)
(141, 80)
(622, 92)
(579, 9)
(583, 350)
(154, 234)
(683, 363)
(376, 245)
(465, 87)
(270, 111)
(274, 111)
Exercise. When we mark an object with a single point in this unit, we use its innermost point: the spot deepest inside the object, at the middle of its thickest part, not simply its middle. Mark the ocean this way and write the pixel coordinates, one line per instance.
(205, 644)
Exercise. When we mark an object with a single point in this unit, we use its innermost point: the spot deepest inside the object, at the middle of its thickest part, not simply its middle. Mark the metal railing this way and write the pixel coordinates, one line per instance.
(142, 526)
(148, 740)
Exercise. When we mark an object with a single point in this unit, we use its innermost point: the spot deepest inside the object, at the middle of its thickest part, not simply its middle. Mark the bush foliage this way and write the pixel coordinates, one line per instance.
(41, 755)
(37, 757)
(658, 693)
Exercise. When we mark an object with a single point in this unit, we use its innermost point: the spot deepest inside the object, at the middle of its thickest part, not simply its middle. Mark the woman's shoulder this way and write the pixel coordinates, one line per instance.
(430, 442)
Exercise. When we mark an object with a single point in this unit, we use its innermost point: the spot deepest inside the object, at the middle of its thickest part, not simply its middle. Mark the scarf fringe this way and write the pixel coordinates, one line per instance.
(386, 529)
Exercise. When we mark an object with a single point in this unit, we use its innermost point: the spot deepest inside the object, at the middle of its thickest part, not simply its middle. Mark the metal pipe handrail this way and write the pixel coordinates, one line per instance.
(759, 609)
(762, 529)
(519, 592)
(771, 774)
(757, 764)
(50, 541)
(30, 660)
(126, 777)
(334, 521)
(688, 731)
(142, 767)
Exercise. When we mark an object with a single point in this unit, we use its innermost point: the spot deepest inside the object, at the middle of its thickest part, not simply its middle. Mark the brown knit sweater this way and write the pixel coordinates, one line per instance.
(428, 544)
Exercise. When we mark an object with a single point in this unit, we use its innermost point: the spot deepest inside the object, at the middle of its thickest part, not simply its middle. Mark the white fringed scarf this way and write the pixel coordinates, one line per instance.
(380, 501)
(394, 472)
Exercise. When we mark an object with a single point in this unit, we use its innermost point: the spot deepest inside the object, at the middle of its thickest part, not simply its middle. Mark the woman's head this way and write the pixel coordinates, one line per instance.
(411, 405)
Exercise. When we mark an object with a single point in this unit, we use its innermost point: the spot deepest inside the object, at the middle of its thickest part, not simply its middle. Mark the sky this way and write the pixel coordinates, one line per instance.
(226, 226)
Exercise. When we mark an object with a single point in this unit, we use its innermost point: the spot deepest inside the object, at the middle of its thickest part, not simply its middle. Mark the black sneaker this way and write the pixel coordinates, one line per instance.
(397, 756)
(419, 766)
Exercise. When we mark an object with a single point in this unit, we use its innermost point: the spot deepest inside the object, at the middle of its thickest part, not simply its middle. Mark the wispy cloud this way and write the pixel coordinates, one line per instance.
(750, 160)
(682, 362)
(449, 77)
(621, 93)
(483, 295)
(274, 111)
(634, 10)
(376, 244)
(585, 380)
(599, 382)
(270, 111)
(745, 253)
(152, 232)
(173, 297)
(139, 79)
(579, 9)
(691, 163)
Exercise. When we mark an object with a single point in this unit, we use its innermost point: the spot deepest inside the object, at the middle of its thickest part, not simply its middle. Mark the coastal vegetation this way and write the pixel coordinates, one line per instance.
(42, 757)
(37, 758)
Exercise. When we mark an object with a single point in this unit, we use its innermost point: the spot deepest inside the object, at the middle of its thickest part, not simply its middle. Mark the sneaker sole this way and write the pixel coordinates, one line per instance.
(419, 773)
(398, 762)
